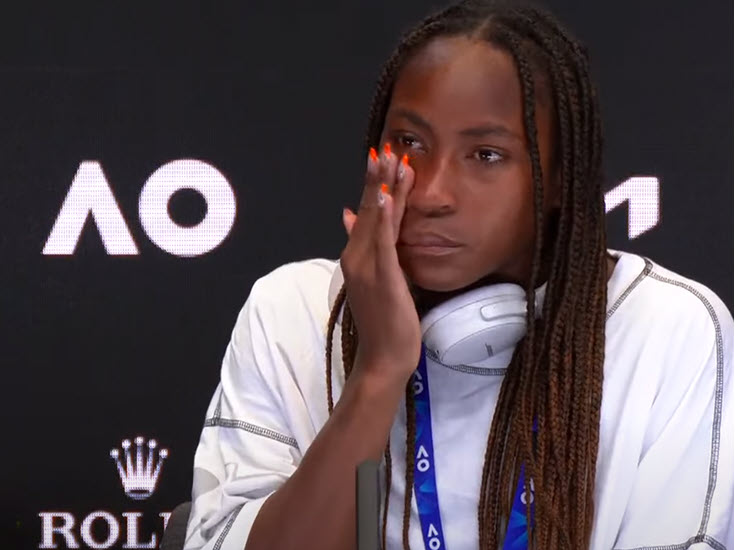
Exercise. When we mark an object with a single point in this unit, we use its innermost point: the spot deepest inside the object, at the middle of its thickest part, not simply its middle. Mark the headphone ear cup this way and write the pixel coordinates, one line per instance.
(479, 326)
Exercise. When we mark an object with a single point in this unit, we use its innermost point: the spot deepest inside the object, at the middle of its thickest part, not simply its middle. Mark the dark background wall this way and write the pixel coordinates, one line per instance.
(97, 347)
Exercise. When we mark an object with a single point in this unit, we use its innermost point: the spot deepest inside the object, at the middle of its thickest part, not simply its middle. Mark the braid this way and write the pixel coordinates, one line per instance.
(576, 437)
(341, 296)
(386, 496)
(556, 372)
(349, 339)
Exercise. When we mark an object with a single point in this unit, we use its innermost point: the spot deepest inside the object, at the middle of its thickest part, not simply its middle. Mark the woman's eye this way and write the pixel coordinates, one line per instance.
(488, 156)
(407, 141)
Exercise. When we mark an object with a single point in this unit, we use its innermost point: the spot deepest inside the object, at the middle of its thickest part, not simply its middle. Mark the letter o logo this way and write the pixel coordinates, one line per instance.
(523, 494)
(206, 180)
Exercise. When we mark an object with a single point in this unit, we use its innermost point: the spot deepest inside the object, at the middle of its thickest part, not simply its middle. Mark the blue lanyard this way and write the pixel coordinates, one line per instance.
(516, 536)
(427, 496)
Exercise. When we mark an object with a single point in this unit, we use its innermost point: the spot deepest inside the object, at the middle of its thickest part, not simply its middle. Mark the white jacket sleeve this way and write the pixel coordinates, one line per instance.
(682, 495)
(246, 450)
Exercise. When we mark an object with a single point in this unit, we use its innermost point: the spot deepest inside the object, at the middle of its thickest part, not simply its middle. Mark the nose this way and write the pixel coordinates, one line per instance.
(432, 192)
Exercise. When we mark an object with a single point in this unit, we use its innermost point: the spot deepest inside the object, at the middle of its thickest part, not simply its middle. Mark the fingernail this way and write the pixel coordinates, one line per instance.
(373, 154)
(404, 160)
(384, 188)
(386, 148)
(401, 169)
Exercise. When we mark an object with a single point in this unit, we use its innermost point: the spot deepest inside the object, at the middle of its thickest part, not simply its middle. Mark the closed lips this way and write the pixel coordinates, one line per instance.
(428, 240)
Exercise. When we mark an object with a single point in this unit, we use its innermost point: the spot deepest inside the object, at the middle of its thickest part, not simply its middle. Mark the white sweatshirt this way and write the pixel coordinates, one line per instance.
(664, 476)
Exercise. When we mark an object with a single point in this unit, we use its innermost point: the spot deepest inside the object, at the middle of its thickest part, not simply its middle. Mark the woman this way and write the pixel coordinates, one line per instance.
(607, 425)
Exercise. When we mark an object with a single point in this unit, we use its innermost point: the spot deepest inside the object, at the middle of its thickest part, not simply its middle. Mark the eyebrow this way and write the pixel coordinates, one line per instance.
(477, 131)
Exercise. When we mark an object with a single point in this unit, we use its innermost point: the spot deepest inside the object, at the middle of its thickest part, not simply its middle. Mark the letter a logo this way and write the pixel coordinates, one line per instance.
(90, 194)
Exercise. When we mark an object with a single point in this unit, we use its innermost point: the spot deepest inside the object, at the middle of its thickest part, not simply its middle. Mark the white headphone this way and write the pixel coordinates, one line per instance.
(480, 327)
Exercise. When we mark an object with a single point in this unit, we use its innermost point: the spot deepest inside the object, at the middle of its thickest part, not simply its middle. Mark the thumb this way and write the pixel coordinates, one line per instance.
(348, 220)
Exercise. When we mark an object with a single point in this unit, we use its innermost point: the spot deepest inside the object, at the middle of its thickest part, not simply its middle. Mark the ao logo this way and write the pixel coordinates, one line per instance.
(423, 461)
(90, 193)
(433, 536)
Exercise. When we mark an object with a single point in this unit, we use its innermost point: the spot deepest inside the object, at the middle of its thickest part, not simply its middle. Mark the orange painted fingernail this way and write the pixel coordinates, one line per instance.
(373, 153)
(384, 188)
(404, 160)
(386, 148)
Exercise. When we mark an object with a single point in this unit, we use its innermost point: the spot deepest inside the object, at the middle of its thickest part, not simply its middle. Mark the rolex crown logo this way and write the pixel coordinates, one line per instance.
(139, 468)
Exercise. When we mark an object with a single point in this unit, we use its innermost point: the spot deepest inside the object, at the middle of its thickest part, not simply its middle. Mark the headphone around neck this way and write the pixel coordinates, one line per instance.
(480, 327)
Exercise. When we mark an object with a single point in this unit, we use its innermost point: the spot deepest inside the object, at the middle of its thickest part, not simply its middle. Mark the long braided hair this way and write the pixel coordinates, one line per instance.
(555, 375)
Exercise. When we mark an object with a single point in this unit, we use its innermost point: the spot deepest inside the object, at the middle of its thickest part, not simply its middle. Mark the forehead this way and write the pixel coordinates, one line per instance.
(460, 80)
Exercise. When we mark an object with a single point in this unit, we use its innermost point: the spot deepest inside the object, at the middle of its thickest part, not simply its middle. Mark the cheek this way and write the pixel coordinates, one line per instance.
(502, 206)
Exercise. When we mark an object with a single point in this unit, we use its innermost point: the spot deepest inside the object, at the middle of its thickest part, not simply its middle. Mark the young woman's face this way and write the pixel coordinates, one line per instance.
(457, 111)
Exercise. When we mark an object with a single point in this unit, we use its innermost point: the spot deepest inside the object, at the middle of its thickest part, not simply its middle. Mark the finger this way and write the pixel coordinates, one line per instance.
(348, 220)
(387, 255)
(388, 166)
(384, 237)
(372, 178)
(380, 169)
(386, 171)
(361, 227)
(405, 177)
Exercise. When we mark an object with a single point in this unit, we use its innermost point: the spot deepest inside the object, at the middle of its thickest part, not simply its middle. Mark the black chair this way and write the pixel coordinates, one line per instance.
(175, 533)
